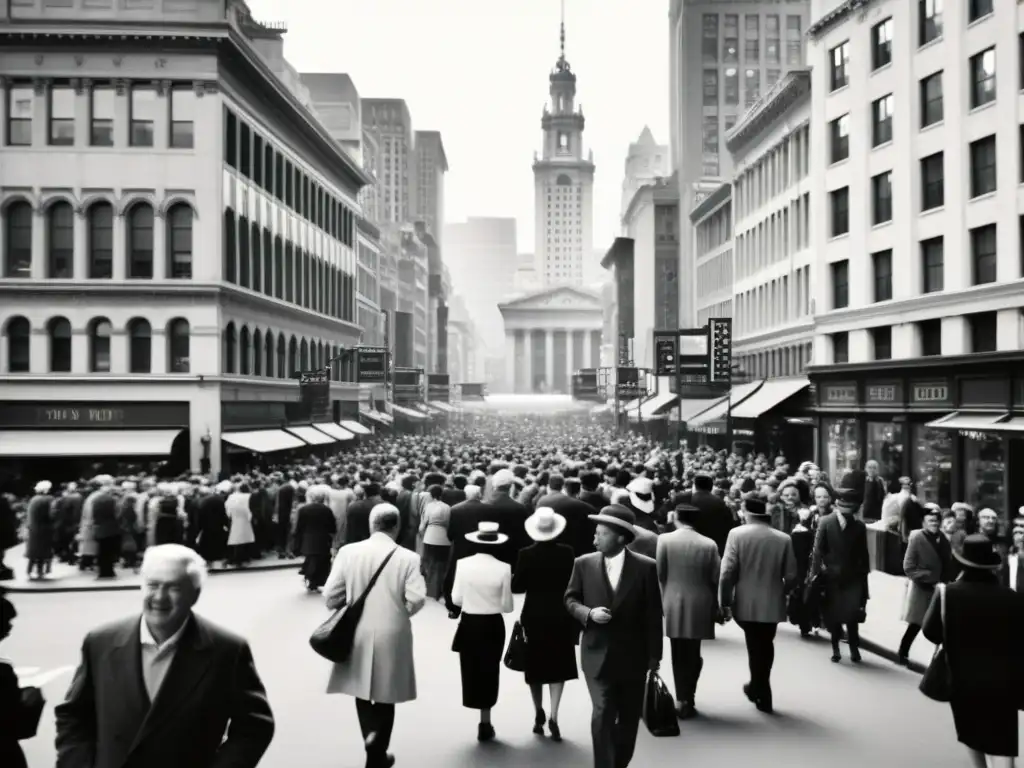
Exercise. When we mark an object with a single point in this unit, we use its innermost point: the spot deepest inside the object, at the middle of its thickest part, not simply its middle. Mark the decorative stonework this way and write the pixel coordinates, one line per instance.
(163, 87)
(39, 85)
(201, 87)
(121, 86)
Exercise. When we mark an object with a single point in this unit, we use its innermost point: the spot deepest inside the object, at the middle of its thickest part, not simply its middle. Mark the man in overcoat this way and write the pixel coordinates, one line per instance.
(380, 671)
(615, 595)
(928, 561)
(758, 569)
(688, 570)
(715, 519)
(509, 513)
(579, 530)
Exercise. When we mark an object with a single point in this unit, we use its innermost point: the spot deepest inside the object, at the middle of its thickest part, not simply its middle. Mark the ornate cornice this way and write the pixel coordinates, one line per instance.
(836, 16)
(711, 202)
(783, 95)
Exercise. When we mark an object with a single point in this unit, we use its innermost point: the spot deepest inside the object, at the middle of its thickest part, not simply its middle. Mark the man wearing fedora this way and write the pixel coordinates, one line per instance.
(758, 569)
(641, 501)
(615, 595)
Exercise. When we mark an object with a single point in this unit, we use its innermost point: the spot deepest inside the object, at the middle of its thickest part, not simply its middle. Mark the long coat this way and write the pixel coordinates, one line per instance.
(212, 527)
(241, 531)
(87, 546)
(926, 564)
(688, 570)
(757, 569)
(39, 545)
(381, 666)
(842, 554)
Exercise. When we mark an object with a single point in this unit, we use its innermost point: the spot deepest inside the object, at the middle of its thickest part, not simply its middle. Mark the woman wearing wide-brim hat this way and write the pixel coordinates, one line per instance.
(482, 588)
(983, 634)
(542, 572)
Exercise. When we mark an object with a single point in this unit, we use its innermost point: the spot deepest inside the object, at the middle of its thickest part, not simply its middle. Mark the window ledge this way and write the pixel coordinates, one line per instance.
(840, 89)
(982, 107)
(881, 225)
(933, 211)
(980, 19)
(838, 163)
(837, 238)
(884, 145)
(882, 68)
(932, 126)
(931, 43)
(984, 196)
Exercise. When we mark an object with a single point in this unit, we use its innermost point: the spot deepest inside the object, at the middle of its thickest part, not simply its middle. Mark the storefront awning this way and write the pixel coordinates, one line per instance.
(693, 408)
(632, 405)
(655, 407)
(770, 395)
(709, 422)
(334, 430)
(978, 422)
(311, 435)
(87, 442)
(408, 412)
(355, 427)
(263, 440)
(377, 416)
(442, 406)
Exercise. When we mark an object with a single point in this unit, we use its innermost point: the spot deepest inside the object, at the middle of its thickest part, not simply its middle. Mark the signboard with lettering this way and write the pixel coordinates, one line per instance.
(665, 355)
(439, 387)
(931, 393)
(408, 383)
(720, 335)
(36, 414)
(628, 383)
(472, 391)
(986, 392)
(315, 396)
(585, 386)
(372, 365)
(684, 352)
(883, 393)
(839, 394)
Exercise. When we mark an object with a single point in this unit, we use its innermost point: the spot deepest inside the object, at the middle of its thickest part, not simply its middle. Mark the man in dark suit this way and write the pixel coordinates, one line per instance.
(591, 482)
(283, 508)
(714, 519)
(456, 492)
(162, 691)
(615, 595)
(579, 530)
(357, 523)
(509, 513)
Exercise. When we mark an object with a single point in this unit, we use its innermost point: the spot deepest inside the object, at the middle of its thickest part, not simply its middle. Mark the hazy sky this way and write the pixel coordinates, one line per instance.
(476, 70)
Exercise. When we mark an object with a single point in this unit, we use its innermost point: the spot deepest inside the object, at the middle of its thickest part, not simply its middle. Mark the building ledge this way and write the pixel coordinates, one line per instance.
(836, 16)
(945, 362)
(769, 108)
(722, 194)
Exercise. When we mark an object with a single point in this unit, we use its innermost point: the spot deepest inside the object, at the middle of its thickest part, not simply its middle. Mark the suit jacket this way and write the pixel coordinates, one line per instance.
(645, 543)
(579, 528)
(758, 568)
(511, 516)
(107, 720)
(623, 648)
(104, 516)
(453, 496)
(594, 499)
(841, 553)
(715, 519)
(688, 571)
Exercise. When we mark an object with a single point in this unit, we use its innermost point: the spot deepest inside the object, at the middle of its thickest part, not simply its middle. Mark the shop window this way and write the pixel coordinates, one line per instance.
(885, 447)
(932, 464)
(984, 472)
(19, 335)
(140, 346)
(140, 242)
(983, 331)
(179, 346)
(99, 345)
(59, 332)
(841, 449)
(101, 241)
(60, 248)
(18, 245)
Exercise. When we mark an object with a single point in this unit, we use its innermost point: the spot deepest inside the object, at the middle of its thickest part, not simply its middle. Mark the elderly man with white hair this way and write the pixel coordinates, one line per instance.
(212, 710)
(380, 671)
(39, 545)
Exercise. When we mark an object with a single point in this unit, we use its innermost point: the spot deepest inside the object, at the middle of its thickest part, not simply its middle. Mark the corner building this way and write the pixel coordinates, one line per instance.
(177, 238)
(916, 150)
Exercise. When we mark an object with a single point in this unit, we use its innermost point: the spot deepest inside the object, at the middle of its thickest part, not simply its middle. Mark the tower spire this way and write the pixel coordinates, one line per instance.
(562, 34)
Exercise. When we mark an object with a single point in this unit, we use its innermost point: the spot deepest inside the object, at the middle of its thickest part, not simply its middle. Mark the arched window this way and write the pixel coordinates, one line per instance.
(99, 345)
(19, 334)
(257, 353)
(268, 354)
(278, 267)
(314, 359)
(244, 254)
(59, 331)
(282, 361)
(230, 342)
(179, 346)
(256, 244)
(140, 346)
(18, 240)
(268, 263)
(293, 357)
(179, 242)
(244, 352)
(60, 245)
(304, 356)
(101, 241)
(140, 241)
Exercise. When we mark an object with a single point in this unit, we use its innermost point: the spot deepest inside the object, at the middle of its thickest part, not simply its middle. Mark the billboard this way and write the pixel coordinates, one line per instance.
(315, 396)
(628, 383)
(585, 386)
(472, 391)
(438, 387)
(372, 365)
(408, 384)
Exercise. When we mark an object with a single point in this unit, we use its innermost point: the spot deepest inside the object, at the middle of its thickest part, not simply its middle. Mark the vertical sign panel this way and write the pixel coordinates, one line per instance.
(721, 349)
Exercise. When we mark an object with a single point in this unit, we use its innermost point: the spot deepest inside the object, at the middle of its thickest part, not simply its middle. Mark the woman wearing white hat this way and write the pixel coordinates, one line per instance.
(543, 572)
(482, 588)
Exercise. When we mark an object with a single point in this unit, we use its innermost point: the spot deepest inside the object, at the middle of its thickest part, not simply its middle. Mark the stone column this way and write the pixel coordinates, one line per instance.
(528, 360)
(595, 346)
(549, 360)
(588, 361)
(571, 363)
(120, 247)
(38, 264)
(510, 360)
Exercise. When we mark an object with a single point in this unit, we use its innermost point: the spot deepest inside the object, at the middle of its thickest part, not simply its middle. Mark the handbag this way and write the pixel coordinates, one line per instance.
(515, 655)
(335, 638)
(937, 682)
(659, 710)
(32, 704)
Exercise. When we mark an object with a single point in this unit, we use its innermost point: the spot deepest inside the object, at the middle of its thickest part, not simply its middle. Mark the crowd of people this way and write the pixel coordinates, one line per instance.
(615, 541)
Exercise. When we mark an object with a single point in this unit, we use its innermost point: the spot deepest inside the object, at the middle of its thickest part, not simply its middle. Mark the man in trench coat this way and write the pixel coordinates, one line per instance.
(380, 671)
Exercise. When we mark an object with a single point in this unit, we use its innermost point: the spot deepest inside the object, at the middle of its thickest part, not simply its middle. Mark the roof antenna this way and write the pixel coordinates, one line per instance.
(562, 35)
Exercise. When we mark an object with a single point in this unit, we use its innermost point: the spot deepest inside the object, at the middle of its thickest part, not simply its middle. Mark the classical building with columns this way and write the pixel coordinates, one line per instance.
(549, 335)
(177, 233)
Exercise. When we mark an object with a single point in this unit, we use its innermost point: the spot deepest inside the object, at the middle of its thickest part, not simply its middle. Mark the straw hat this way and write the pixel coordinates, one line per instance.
(545, 524)
(487, 533)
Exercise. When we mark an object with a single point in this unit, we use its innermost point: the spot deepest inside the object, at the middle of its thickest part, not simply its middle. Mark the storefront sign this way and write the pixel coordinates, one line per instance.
(89, 415)
(245, 414)
(372, 364)
(839, 394)
(438, 387)
(930, 393)
(988, 392)
(887, 393)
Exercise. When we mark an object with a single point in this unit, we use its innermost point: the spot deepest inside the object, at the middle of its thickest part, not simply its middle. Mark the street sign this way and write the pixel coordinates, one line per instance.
(682, 352)
(628, 383)
(665, 351)
(372, 365)
(720, 332)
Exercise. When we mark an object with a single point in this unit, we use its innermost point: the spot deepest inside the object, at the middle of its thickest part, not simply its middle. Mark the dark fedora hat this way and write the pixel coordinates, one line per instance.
(755, 506)
(977, 552)
(618, 517)
(850, 493)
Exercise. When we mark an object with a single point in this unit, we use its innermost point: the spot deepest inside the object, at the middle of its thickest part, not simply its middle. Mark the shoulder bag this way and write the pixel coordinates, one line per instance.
(937, 682)
(335, 637)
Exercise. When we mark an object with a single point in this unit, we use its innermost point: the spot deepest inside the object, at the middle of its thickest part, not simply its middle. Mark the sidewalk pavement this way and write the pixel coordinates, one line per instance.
(67, 578)
(883, 630)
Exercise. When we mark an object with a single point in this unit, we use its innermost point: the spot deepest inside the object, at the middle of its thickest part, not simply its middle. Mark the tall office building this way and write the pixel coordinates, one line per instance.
(389, 122)
(646, 161)
(431, 166)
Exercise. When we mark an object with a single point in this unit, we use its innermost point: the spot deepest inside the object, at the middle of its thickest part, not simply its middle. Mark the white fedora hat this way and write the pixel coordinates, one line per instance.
(641, 494)
(545, 524)
(487, 533)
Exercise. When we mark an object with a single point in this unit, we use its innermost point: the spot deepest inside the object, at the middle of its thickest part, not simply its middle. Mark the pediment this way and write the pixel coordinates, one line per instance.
(563, 298)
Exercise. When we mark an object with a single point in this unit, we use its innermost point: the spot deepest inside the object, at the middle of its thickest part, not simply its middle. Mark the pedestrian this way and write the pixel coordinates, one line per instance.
(357, 526)
(508, 513)
(106, 529)
(614, 594)
(240, 532)
(715, 519)
(212, 523)
(688, 571)
(758, 568)
(196, 698)
(482, 589)
(579, 529)
(433, 532)
(805, 610)
(8, 534)
(20, 708)
(315, 527)
(88, 548)
(641, 502)
(927, 563)
(39, 542)
(283, 503)
(542, 573)
(380, 672)
(980, 624)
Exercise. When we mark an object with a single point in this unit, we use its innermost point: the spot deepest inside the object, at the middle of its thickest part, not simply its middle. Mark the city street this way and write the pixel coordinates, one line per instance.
(826, 713)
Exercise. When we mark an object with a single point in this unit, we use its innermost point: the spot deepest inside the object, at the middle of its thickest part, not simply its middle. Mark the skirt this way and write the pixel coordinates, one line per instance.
(480, 643)
(985, 725)
(550, 655)
(434, 565)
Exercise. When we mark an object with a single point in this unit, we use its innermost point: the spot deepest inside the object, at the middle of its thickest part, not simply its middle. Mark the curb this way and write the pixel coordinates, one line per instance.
(16, 587)
(890, 655)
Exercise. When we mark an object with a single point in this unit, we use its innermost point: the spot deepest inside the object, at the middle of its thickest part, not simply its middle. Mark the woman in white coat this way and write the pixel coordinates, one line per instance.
(380, 671)
(240, 533)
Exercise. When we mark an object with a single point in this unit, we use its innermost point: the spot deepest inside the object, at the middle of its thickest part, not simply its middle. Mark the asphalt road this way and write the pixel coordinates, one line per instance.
(836, 715)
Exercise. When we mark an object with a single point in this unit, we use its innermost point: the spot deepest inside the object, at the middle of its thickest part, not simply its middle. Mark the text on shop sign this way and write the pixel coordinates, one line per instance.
(882, 394)
(927, 393)
(87, 415)
(840, 394)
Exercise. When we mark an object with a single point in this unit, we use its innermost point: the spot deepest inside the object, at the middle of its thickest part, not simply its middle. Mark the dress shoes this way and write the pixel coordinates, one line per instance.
(686, 711)
(763, 702)
(485, 732)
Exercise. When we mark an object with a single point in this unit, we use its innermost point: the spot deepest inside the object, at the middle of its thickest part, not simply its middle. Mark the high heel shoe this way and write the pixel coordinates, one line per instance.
(538, 722)
(556, 733)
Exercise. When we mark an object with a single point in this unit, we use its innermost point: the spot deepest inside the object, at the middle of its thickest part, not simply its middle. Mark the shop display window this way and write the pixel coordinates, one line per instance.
(885, 446)
(932, 465)
(841, 447)
(985, 472)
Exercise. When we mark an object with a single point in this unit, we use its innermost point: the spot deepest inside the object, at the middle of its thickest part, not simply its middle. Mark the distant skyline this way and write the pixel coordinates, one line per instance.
(478, 72)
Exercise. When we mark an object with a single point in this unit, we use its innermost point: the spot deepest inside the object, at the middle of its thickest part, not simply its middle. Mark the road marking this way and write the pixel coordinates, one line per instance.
(32, 677)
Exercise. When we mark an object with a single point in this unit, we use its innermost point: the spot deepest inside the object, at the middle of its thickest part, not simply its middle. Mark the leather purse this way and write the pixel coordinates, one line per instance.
(335, 638)
(515, 655)
(937, 682)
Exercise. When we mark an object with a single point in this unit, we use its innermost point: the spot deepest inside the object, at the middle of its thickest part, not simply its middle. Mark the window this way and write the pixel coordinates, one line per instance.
(931, 337)
(881, 340)
(178, 346)
(933, 185)
(983, 78)
(140, 242)
(983, 166)
(183, 116)
(709, 43)
(983, 254)
(179, 242)
(140, 346)
(229, 266)
(839, 138)
(99, 346)
(710, 87)
(732, 87)
(19, 116)
(142, 115)
(731, 41)
(881, 263)
(101, 116)
(18, 240)
(929, 20)
(881, 44)
(840, 284)
(839, 205)
(752, 86)
(231, 140)
(931, 99)
(794, 42)
(977, 9)
(19, 335)
(841, 347)
(932, 262)
(59, 332)
(839, 61)
(230, 348)
(62, 117)
(60, 246)
(983, 331)
(881, 198)
(771, 77)
(881, 121)
(773, 43)
(101, 241)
